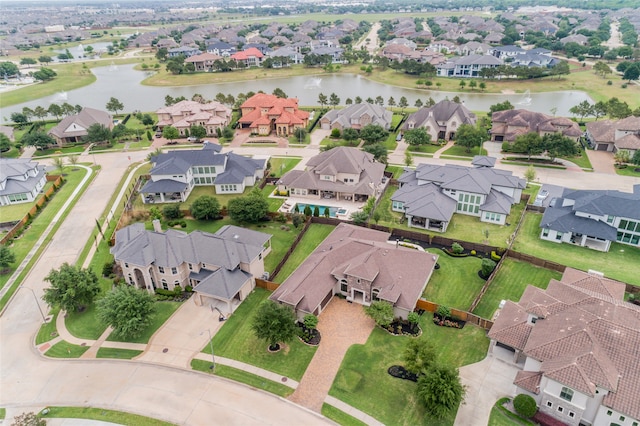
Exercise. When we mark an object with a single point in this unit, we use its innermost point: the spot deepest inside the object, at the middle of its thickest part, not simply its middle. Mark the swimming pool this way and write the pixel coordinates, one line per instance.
(332, 210)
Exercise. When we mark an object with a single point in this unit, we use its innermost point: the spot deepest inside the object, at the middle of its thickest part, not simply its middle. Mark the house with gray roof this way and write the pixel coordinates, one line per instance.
(440, 121)
(593, 218)
(285, 56)
(467, 66)
(614, 135)
(220, 267)
(356, 116)
(73, 128)
(575, 344)
(174, 174)
(429, 195)
(21, 180)
(361, 265)
(342, 173)
(186, 51)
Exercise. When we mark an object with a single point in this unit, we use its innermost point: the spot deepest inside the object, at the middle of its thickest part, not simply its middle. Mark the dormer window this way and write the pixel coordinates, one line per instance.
(532, 319)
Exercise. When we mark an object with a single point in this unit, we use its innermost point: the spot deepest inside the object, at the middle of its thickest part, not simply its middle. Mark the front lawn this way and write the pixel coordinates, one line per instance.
(424, 149)
(510, 282)
(629, 171)
(85, 324)
(64, 349)
(48, 330)
(316, 233)
(340, 417)
(237, 341)
(461, 151)
(163, 311)
(117, 353)
(363, 373)
(615, 264)
(456, 284)
(581, 160)
(100, 414)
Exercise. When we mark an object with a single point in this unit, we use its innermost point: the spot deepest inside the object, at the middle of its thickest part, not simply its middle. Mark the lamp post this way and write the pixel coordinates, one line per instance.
(213, 357)
(44, 319)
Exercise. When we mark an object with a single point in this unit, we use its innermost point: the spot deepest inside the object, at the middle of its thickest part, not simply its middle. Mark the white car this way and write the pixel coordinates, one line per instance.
(542, 195)
(192, 139)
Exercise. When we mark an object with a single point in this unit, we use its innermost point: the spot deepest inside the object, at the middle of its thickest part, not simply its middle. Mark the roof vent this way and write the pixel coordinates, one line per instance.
(236, 236)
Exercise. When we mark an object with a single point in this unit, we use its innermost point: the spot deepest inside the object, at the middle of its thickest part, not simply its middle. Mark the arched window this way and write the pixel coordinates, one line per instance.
(343, 285)
(164, 284)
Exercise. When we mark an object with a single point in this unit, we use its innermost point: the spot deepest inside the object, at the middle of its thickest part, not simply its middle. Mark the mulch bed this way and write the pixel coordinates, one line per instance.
(402, 328)
(401, 373)
(448, 322)
(311, 336)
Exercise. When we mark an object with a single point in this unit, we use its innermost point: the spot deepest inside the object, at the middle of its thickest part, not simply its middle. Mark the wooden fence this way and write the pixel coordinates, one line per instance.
(278, 267)
(268, 285)
(457, 313)
(57, 182)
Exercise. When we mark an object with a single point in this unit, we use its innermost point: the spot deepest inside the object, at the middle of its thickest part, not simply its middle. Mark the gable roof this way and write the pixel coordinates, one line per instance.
(379, 115)
(84, 119)
(439, 114)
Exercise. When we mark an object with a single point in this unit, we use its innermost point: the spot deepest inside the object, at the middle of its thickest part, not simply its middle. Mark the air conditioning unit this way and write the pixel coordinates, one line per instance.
(266, 275)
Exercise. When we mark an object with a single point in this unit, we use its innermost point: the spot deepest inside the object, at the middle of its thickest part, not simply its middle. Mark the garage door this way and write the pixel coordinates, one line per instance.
(602, 147)
(325, 126)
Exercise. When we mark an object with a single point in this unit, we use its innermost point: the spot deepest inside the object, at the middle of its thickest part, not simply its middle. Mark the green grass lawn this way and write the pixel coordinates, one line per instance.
(396, 170)
(510, 282)
(424, 149)
(117, 353)
(76, 149)
(282, 165)
(456, 284)
(111, 416)
(85, 324)
(274, 203)
(48, 330)
(363, 372)
(581, 160)
(461, 151)
(500, 417)
(340, 417)
(241, 376)
(66, 350)
(163, 311)
(628, 171)
(311, 239)
(18, 211)
(615, 264)
(236, 340)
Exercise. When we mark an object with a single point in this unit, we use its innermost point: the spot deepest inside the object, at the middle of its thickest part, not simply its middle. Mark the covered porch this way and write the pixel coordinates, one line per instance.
(165, 191)
(426, 223)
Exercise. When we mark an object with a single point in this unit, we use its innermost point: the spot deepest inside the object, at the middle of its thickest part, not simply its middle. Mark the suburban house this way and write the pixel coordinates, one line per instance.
(592, 218)
(203, 61)
(508, 125)
(220, 267)
(221, 48)
(20, 180)
(342, 173)
(183, 51)
(441, 120)
(264, 113)
(576, 344)
(250, 57)
(184, 114)
(174, 174)
(467, 66)
(285, 56)
(614, 135)
(361, 265)
(356, 116)
(430, 195)
(74, 127)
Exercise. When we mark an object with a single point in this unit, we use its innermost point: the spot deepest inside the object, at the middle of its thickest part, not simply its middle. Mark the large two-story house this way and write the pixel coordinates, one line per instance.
(614, 135)
(591, 218)
(220, 267)
(576, 344)
(467, 66)
(21, 179)
(184, 114)
(342, 173)
(361, 265)
(174, 174)
(264, 113)
(74, 127)
(430, 195)
(508, 125)
(356, 116)
(440, 121)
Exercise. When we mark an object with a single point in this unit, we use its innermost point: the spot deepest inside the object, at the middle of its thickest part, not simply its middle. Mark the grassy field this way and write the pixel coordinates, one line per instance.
(163, 311)
(117, 353)
(235, 340)
(274, 203)
(363, 372)
(456, 284)
(510, 282)
(311, 239)
(18, 211)
(340, 417)
(110, 416)
(282, 165)
(243, 377)
(85, 324)
(66, 350)
(615, 264)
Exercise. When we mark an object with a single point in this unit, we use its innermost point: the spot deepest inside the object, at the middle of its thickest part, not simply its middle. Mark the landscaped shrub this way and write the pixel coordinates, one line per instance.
(335, 133)
(177, 290)
(310, 321)
(487, 267)
(107, 269)
(443, 311)
(525, 405)
(473, 252)
(188, 289)
(172, 211)
(494, 256)
(457, 248)
(506, 146)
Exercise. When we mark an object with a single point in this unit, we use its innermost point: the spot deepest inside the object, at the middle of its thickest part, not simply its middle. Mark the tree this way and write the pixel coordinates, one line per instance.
(147, 120)
(45, 59)
(127, 309)
(582, 110)
(487, 267)
(470, 136)
(198, 132)
(322, 99)
(462, 84)
(7, 257)
(58, 163)
(40, 140)
(418, 103)
(501, 106)
(558, 145)
(530, 174)
(359, 217)
(5, 143)
(300, 134)
(408, 158)
(381, 312)
(525, 405)
(417, 136)
(162, 53)
(379, 100)
(440, 390)
(636, 158)
(632, 73)
(391, 102)
(334, 100)
(44, 74)
(114, 105)
(349, 134)
(71, 288)
(55, 110)
(28, 62)
(8, 69)
(278, 92)
(372, 133)
(40, 112)
(252, 208)
(274, 323)
(19, 118)
(419, 356)
(529, 143)
(97, 133)
(403, 103)
(310, 321)
(621, 157)
(617, 109)
(482, 86)
(378, 150)
(205, 208)
(170, 133)
(28, 419)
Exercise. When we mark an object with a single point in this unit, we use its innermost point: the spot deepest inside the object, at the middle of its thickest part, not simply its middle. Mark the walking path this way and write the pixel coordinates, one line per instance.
(439, 152)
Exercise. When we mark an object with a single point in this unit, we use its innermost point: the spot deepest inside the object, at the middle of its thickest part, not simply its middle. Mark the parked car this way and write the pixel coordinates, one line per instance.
(192, 139)
(542, 195)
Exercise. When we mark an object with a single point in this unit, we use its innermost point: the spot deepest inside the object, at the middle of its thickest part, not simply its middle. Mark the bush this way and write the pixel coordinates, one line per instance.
(609, 83)
(494, 256)
(335, 133)
(525, 405)
(163, 292)
(188, 289)
(172, 211)
(443, 311)
(310, 321)
(297, 219)
(487, 267)
(473, 252)
(107, 269)
(177, 290)
(506, 146)
(457, 248)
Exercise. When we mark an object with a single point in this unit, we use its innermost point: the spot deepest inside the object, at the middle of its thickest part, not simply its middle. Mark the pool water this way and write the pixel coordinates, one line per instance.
(332, 210)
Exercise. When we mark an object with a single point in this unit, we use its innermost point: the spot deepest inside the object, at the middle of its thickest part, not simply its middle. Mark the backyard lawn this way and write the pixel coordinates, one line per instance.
(456, 284)
(363, 372)
(281, 165)
(614, 264)
(510, 282)
(237, 341)
(274, 203)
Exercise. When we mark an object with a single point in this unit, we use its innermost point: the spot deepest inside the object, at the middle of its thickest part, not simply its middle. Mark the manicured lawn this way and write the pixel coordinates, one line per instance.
(396, 170)
(243, 377)
(424, 149)
(501, 417)
(111, 416)
(18, 211)
(66, 350)
(616, 264)
(117, 353)
(363, 372)
(461, 151)
(48, 330)
(3, 413)
(628, 171)
(510, 282)
(581, 160)
(456, 284)
(281, 165)
(274, 203)
(85, 324)
(340, 417)
(236, 340)
(76, 149)
(163, 311)
(339, 142)
(311, 239)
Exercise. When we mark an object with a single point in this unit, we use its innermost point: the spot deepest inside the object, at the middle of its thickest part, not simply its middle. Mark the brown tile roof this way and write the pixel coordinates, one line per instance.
(528, 380)
(514, 122)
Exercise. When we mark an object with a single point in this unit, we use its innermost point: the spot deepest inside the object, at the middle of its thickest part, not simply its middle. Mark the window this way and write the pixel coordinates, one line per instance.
(559, 236)
(572, 414)
(610, 219)
(174, 271)
(545, 232)
(126, 265)
(566, 394)
(343, 286)
(161, 269)
(190, 267)
(622, 418)
(549, 404)
(165, 285)
(374, 294)
(560, 409)
(609, 412)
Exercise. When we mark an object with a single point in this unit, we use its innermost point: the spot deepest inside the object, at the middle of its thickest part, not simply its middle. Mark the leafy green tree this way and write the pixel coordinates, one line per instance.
(359, 217)
(279, 93)
(582, 110)
(525, 405)
(470, 136)
(349, 134)
(622, 156)
(172, 211)
(487, 267)
(71, 288)
(417, 136)
(558, 145)
(501, 106)
(334, 100)
(636, 158)
(44, 74)
(28, 62)
(8, 69)
(114, 105)
(55, 110)
(300, 134)
(419, 356)
(97, 133)
(147, 120)
(408, 158)
(274, 323)
(40, 140)
(403, 103)
(378, 151)
(162, 53)
(530, 174)
(310, 321)
(127, 309)
(45, 59)
(440, 390)
(322, 99)
(381, 312)
(251, 208)
(40, 112)
(418, 103)
(198, 132)
(205, 208)
(373, 133)
(19, 118)
(170, 133)
(7, 257)
(529, 143)
(632, 73)
(617, 109)
(5, 143)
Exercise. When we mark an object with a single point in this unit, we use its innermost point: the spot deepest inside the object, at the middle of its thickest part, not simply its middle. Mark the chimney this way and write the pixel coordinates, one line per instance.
(156, 225)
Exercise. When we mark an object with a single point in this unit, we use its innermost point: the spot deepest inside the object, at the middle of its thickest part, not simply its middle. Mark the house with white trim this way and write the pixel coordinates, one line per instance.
(185, 114)
(614, 135)
(21, 180)
(440, 121)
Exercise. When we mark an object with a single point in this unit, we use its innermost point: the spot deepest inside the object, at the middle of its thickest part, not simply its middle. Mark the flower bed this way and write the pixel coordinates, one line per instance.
(401, 373)
(310, 336)
(401, 327)
(448, 321)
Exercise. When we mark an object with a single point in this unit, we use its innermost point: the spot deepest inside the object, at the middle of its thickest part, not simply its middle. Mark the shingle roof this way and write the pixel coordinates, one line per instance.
(425, 201)
(379, 115)
(440, 113)
(84, 119)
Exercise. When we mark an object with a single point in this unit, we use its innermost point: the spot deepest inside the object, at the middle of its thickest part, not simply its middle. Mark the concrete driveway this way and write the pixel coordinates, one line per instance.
(602, 161)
